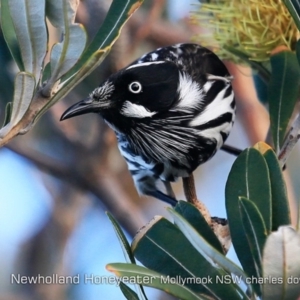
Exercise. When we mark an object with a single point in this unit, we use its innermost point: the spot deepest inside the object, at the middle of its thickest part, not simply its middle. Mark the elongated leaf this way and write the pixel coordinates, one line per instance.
(10, 34)
(249, 178)
(298, 51)
(153, 279)
(128, 292)
(46, 72)
(61, 11)
(261, 88)
(29, 21)
(293, 7)
(281, 263)
(72, 82)
(162, 247)
(207, 250)
(255, 230)
(23, 93)
(280, 204)
(122, 239)
(283, 93)
(7, 113)
(196, 219)
(126, 250)
(64, 55)
(119, 12)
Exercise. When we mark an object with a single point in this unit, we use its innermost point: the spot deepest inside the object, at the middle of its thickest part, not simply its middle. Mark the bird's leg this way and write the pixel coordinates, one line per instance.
(189, 189)
(163, 197)
(191, 196)
(231, 150)
(169, 189)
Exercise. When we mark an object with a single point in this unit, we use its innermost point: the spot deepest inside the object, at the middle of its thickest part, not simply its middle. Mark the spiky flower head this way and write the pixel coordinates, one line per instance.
(255, 27)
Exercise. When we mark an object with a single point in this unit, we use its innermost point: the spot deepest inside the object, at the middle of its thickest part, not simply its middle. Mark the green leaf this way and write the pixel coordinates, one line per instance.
(283, 93)
(146, 277)
(280, 203)
(249, 178)
(60, 12)
(261, 88)
(128, 292)
(293, 7)
(255, 230)
(126, 250)
(281, 264)
(122, 239)
(298, 51)
(23, 93)
(10, 34)
(72, 82)
(196, 219)
(205, 249)
(7, 114)
(162, 247)
(46, 72)
(119, 12)
(29, 22)
(64, 55)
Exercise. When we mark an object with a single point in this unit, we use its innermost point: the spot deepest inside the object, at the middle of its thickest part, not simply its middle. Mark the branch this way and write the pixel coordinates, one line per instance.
(290, 141)
(38, 102)
(107, 189)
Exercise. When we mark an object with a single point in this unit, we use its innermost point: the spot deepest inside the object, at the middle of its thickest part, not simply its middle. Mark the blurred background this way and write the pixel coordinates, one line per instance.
(57, 181)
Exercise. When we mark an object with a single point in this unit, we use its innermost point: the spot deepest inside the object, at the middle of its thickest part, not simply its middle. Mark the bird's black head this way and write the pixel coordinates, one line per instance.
(134, 94)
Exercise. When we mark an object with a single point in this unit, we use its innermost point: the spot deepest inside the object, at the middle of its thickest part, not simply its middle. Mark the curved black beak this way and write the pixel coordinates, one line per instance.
(82, 107)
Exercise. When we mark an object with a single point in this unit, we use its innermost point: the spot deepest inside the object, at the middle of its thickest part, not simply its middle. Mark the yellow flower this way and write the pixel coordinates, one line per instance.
(254, 27)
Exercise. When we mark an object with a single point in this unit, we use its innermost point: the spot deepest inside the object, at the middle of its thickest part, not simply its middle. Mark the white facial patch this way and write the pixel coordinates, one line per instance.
(145, 64)
(135, 111)
(190, 93)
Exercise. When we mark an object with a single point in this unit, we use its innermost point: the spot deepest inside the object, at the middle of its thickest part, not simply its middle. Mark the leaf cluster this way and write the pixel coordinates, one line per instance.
(185, 258)
(39, 84)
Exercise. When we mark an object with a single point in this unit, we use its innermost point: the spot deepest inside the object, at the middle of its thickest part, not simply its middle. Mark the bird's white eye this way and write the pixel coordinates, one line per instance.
(135, 87)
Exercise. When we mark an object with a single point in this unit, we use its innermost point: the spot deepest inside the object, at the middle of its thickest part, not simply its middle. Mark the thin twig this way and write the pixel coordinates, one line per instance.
(290, 141)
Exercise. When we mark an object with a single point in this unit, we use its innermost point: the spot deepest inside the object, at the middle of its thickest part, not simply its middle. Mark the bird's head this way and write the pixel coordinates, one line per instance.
(132, 95)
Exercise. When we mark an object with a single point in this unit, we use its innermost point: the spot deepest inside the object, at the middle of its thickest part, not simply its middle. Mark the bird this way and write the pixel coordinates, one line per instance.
(171, 110)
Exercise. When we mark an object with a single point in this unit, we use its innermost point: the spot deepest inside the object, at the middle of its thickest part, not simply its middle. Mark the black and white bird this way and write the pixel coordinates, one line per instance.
(171, 110)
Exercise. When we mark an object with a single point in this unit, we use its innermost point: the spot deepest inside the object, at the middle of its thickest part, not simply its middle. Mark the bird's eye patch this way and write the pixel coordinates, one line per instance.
(135, 87)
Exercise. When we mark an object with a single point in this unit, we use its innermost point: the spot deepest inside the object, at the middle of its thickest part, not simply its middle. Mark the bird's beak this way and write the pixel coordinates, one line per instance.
(82, 107)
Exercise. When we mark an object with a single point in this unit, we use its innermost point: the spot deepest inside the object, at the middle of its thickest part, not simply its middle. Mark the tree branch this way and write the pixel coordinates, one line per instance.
(290, 141)
(107, 189)
(38, 102)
